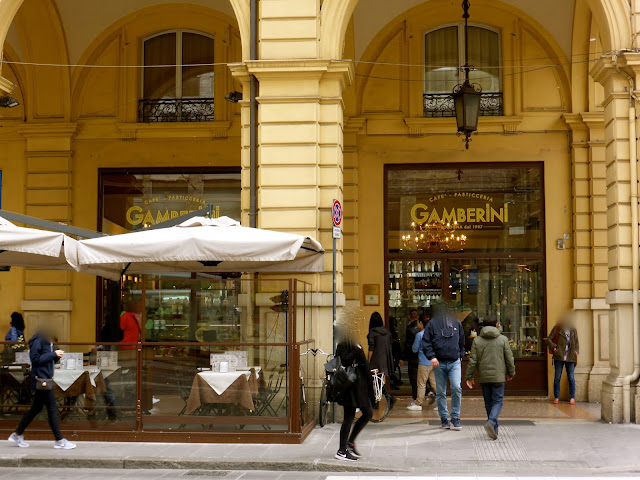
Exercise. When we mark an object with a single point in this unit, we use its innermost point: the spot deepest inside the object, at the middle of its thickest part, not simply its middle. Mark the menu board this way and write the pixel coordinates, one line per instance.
(217, 358)
(241, 356)
(72, 361)
(107, 359)
(22, 358)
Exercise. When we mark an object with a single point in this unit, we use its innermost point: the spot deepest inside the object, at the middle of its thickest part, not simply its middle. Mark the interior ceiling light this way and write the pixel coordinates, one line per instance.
(8, 102)
(233, 97)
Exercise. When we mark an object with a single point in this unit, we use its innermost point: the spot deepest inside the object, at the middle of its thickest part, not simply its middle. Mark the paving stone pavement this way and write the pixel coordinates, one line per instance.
(402, 447)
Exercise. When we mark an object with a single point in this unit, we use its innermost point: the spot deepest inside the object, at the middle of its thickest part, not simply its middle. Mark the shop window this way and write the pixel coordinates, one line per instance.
(183, 90)
(444, 59)
(134, 200)
(472, 237)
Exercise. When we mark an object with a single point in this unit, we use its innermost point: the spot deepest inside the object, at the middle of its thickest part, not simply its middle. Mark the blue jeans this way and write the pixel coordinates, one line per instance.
(569, 366)
(451, 371)
(493, 394)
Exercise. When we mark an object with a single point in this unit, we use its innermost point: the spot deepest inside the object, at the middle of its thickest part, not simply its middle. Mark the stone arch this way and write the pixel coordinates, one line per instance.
(612, 16)
(46, 87)
(120, 43)
(9, 9)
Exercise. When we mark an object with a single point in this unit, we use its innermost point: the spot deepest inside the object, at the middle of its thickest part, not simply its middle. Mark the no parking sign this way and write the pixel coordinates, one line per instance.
(336, 215)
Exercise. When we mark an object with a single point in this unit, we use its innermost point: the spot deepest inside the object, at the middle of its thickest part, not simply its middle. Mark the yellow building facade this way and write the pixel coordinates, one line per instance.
(345, 99)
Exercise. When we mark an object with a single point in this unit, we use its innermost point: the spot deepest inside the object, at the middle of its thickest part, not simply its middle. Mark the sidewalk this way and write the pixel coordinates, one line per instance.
(411, 445)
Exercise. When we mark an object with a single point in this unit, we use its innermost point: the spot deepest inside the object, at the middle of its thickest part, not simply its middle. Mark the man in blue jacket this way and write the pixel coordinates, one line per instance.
(443, 344)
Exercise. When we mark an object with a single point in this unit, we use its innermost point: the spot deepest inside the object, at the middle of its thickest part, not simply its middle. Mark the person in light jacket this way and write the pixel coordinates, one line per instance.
(425, 369)
(43, 357)
(492, 358)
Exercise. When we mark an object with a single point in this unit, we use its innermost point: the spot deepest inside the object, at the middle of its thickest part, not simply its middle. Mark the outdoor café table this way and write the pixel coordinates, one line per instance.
(14, 387)
(232, 388)
(70, 384)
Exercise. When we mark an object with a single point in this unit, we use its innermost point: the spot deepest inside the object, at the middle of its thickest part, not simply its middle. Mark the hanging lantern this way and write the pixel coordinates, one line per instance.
(466, 97)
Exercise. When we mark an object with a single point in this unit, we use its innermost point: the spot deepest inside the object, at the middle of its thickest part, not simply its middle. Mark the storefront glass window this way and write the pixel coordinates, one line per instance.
(473, 237)
(139, 199)
(486, 209)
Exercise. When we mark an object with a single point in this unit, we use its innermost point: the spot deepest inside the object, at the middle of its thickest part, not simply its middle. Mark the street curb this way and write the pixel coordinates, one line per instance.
(154, 463)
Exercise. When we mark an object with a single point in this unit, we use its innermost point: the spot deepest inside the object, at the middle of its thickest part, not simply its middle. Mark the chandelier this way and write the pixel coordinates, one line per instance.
(434, 237)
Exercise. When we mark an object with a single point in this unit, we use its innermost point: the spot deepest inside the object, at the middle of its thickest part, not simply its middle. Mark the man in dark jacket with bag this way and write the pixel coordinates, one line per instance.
(492, 357)
(443, 345)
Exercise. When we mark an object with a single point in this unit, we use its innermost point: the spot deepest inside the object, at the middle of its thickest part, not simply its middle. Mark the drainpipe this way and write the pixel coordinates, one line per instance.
(633, 179)
(253, 114)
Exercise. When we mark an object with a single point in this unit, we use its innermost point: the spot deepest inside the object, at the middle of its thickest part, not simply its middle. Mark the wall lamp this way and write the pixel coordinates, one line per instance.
(8, 102)
(233, 97)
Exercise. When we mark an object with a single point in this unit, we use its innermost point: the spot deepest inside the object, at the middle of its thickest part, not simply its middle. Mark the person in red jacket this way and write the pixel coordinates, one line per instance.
(130, 323)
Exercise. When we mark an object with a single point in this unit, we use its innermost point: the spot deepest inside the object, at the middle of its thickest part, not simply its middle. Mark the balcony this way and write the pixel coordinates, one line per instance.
(156, 110)
(441, 105)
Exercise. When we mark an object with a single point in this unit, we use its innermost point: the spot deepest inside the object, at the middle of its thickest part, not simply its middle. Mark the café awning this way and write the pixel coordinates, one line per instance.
(30, 247)
(203, 245)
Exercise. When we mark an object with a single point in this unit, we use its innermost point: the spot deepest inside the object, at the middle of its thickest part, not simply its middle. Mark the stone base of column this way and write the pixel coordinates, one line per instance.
(611, 410)
(596, 379)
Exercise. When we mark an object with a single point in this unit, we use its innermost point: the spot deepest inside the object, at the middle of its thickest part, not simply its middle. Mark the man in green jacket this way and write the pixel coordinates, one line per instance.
(491, 355)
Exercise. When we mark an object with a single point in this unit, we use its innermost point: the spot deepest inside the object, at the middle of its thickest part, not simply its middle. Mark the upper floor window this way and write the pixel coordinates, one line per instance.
(183, 90)
(444, 57)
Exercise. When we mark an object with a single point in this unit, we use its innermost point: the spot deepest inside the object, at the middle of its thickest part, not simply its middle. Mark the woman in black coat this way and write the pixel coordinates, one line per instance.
(360, 395)
(380, 349)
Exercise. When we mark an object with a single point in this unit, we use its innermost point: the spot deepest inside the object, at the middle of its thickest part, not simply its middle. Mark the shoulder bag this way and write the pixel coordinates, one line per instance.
(44, 383)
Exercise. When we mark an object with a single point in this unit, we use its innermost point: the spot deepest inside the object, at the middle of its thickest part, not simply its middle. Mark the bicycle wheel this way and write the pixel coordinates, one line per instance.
(381, 409)
(323, 410)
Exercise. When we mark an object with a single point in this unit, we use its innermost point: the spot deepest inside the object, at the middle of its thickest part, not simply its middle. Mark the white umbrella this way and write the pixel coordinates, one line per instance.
(30, 247)
(203, 245)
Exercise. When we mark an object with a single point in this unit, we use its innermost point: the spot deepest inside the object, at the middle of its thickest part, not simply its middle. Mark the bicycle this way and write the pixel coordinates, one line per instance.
(384, 400)
(323, 410)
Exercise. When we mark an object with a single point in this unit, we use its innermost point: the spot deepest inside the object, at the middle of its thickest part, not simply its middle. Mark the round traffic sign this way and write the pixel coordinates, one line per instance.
(336, 213)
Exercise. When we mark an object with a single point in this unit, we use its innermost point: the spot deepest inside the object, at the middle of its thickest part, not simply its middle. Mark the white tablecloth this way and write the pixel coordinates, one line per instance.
(17, 373)
(221, 381)
(65, 378)
(107, 371)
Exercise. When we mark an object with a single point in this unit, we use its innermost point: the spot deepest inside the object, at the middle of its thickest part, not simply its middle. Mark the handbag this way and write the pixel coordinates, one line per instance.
(44, 383)
(340, 378)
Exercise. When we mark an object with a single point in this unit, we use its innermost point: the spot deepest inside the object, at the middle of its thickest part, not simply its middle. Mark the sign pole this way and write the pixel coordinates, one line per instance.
(336, 216)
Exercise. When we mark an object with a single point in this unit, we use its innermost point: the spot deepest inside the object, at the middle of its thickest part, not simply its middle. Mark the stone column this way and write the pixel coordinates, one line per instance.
(300, 137)
(47, 293)
(590, 251)
(619, 239)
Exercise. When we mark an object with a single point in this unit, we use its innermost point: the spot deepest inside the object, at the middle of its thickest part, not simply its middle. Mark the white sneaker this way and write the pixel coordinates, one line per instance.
(64, 444)
(417, 408)
(412, 404)
(18, 440)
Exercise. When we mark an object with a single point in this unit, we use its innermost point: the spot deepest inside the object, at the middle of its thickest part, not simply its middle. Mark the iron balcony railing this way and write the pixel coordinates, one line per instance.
(153, 110)
(441, 105)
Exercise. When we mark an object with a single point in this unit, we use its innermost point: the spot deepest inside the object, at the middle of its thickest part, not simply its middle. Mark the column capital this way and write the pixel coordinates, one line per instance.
(48, 136)
(612, 66)
(279, 69)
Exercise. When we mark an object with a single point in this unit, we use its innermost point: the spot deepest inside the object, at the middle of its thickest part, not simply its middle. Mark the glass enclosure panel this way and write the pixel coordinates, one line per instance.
(512, 290)
(94, 385)
(197, 69)
(441, 60)
(199, 388)
(476, 208)
(160, 82)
